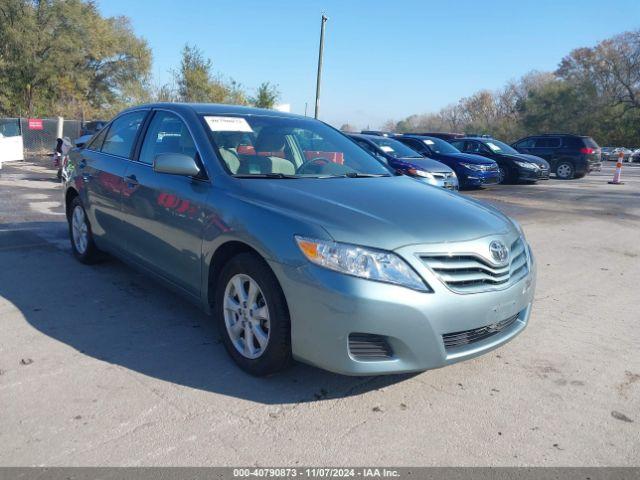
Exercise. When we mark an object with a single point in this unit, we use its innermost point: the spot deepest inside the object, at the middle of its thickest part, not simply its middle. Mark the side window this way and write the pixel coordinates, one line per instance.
(166, 134)
(122, 134)
(472, 147)
(98, 140)
(366, 146)
(417, 145)
(9, 127)
(572, 142)
(548, 142)
(459, 145)
(528, 143)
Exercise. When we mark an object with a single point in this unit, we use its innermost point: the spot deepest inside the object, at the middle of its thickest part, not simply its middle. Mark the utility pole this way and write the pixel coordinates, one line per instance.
(322, 24)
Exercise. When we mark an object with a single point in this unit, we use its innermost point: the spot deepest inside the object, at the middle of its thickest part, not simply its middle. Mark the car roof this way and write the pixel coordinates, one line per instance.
(217, 109)
(420, 137)
(557, 135)
(367, 136)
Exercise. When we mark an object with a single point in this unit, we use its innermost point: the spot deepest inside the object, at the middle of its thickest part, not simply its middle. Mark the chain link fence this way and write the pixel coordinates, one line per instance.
(39, 142)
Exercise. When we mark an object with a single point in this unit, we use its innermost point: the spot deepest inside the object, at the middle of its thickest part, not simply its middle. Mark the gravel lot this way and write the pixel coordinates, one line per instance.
(102, 366)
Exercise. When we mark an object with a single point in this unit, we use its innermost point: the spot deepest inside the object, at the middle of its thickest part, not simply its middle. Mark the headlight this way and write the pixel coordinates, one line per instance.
(361, 262)
(472, 166)
(420, 173)
(527, 165)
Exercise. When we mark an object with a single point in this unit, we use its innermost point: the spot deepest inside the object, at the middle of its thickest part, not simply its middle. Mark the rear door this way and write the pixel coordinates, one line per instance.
(101, 168)
(547, 148)
(165, 214)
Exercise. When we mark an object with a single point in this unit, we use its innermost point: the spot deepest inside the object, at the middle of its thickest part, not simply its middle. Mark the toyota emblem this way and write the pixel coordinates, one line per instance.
(499, 251)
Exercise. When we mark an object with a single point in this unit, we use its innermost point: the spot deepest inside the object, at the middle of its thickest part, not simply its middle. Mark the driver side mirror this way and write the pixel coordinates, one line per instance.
(175, 164)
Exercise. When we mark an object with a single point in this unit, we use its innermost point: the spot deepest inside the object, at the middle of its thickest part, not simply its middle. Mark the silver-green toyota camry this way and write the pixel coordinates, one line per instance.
(299, 242)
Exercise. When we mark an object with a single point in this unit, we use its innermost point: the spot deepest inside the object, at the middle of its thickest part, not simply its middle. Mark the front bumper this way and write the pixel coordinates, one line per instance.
(326, 307)
(476, 179)
(450, 183)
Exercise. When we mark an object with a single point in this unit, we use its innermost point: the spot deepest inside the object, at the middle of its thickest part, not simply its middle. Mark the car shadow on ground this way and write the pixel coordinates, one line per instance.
(116, 315)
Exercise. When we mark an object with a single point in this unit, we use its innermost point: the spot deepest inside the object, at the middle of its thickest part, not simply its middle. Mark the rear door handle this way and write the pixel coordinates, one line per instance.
(131, 180)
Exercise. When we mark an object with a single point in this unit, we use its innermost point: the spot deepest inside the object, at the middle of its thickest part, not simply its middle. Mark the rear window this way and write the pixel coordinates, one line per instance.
(579, 142)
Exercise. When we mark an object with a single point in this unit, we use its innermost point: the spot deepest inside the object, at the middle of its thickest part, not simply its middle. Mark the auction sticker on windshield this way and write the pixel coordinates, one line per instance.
(386, 148)
(228, 124)
(493, 147)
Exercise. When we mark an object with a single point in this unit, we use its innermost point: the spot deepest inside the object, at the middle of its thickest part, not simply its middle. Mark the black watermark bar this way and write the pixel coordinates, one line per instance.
(224, 473)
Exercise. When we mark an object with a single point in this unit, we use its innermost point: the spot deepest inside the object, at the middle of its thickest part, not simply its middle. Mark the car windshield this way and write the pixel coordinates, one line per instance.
(499, 147)
(440, 146)
(262, 146)
(394, 148)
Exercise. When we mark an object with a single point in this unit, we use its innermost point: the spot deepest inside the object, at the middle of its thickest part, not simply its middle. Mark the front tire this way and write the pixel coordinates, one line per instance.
(505, 175)
(82, 244)
(252, 316)
(565, 170)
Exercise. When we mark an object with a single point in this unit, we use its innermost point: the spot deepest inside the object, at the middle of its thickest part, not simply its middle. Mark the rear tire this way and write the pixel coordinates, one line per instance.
(565, 170)
(82, 244)
(255, 327)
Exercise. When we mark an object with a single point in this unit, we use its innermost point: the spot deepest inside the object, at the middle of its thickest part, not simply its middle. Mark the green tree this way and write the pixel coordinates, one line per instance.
(196, 81)
(63, 57)
(595, 91)
(267, 95)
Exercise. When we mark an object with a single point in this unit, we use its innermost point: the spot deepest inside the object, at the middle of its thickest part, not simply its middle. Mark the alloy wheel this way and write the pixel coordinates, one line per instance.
(79, 230)
(246, 316)
(502, 174)
(564, 171)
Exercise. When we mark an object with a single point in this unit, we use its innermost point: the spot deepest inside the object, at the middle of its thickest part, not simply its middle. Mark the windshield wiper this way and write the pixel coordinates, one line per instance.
(365, 175)
(355, 175)
(268, 175)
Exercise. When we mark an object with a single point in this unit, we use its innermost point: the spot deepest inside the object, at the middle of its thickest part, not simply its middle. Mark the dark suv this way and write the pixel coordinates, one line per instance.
(569, 156)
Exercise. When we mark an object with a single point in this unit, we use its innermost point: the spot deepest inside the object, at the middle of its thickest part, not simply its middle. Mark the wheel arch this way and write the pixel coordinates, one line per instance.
(219, 259)
(69, 195)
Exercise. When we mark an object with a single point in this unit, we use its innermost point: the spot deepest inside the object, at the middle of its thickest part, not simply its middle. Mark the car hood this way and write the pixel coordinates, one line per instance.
(386, 213)
(427, 164)
(467, 158)
(541, 162)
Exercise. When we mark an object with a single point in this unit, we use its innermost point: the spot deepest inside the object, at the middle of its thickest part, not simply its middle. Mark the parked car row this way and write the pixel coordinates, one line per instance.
(612, 154)
(480, 160)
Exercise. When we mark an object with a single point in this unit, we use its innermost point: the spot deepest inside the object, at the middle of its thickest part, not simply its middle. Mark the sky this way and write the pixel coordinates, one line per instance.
(383, 60)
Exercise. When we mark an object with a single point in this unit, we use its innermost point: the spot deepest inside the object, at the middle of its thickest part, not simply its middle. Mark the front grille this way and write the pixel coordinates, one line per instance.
(365, 346)
(468, 273)
(489, 168)
(466, 337)
(442, 175)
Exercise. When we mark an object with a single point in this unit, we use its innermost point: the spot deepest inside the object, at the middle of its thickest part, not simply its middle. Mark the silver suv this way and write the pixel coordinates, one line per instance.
(300, 243)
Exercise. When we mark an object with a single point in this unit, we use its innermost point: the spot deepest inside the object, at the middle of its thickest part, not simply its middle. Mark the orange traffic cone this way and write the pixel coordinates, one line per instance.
(618, 173)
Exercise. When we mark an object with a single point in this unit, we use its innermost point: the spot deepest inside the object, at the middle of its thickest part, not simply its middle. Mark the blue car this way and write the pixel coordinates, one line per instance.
(472, 170)
(402, 158)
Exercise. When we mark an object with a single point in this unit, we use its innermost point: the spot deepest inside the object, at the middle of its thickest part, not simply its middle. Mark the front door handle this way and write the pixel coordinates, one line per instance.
(131, 180)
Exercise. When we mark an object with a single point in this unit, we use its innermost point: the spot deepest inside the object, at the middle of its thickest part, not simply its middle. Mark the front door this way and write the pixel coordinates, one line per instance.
(165, 214)
(101, 168)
